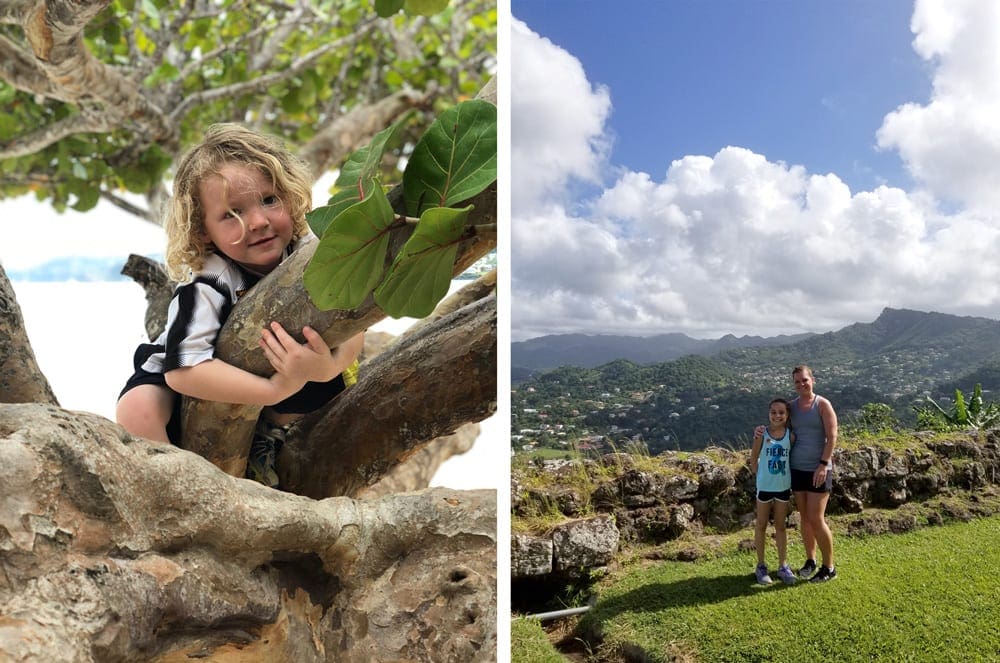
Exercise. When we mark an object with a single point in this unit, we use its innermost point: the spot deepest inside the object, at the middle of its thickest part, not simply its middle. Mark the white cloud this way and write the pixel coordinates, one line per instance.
(951, 145)
(734, 243)
(557, 115)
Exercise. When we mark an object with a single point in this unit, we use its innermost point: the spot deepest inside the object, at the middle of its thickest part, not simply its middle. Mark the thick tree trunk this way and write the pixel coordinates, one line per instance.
(114, 549)
(221, 432)
(21, 381)
(427, 387)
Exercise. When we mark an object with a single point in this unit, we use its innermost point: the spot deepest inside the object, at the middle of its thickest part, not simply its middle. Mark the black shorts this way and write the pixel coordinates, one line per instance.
(769, 496)
(311, 397)
(802, 482)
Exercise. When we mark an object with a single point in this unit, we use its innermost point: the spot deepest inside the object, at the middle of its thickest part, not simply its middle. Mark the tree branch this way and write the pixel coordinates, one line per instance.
(429, 385)
(334, 142)
(21, 380)
(261, 83)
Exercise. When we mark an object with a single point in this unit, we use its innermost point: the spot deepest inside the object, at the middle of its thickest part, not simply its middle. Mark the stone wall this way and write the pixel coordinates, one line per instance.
(614, 501)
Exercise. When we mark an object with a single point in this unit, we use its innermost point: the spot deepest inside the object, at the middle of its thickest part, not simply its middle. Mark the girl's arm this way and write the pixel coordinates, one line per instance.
(294, 363)
(758, 441)
(215, 380)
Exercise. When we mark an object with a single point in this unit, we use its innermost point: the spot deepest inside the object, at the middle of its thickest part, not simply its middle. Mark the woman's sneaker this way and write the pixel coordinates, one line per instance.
(824, 574)
(807, 569)
(762, 577)
(786, 575)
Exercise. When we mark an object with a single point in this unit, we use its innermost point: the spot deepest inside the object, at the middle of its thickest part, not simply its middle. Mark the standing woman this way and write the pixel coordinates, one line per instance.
(815, 425)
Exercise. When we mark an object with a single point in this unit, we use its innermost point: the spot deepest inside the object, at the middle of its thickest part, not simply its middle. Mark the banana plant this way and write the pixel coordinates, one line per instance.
(453, 161)
(976, 415)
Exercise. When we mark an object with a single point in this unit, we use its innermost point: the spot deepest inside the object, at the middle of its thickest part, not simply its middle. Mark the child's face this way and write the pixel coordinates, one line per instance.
(778, 414)
(243, 190)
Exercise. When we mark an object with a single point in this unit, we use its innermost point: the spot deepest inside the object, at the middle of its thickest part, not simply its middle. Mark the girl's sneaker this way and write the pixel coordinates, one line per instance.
(762, 577)
(267, 441)
(786, 575)
(807, 569)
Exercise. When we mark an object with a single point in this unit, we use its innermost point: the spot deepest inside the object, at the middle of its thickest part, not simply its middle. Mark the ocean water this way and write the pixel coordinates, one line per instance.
(84, 333)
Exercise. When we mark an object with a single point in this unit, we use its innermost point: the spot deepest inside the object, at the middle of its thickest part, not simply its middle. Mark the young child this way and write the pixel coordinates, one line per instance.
(769, 458)
(237, 211)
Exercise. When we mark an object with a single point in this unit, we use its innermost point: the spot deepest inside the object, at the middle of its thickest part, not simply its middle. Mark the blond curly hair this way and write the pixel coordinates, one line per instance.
(184, 217)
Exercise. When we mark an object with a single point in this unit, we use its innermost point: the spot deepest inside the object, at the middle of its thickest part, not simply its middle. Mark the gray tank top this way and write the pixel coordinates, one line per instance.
(810, 436)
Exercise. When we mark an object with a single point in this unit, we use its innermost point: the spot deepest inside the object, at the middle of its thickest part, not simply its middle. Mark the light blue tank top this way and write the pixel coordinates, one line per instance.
(810, 436)
(772, 464)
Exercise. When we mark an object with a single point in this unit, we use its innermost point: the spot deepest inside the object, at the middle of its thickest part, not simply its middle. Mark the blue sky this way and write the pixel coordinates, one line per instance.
(801, 82)
(754, 167)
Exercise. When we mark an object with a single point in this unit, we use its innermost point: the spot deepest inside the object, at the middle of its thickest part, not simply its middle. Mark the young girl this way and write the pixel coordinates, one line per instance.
(238, 209)
(774, 485)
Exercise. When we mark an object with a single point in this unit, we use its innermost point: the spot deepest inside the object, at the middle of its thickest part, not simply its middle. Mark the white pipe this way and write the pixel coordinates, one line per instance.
(556, 614)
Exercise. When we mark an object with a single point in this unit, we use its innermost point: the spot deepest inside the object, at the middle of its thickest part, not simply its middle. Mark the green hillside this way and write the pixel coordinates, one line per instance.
(692, 402)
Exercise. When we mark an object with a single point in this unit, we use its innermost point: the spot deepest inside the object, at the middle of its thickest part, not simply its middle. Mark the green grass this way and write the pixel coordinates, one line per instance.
(533, 644)
(928, 595)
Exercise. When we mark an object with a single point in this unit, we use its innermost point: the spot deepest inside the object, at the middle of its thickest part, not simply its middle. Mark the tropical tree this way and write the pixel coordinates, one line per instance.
(100, 97)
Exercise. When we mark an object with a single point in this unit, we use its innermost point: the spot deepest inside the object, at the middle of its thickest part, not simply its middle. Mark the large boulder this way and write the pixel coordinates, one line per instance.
(581, 545)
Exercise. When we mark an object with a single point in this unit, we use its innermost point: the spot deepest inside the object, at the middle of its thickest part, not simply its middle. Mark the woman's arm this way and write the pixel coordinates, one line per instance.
(829, 418)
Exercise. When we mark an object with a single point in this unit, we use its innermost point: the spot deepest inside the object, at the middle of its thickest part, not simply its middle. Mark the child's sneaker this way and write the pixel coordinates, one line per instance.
(824, 574)
(786, 575)
(267, 441)
(807, 569)
(762, 577)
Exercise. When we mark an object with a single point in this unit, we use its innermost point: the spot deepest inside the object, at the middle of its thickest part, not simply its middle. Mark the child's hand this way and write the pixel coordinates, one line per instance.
(758, 432)
(311, 361)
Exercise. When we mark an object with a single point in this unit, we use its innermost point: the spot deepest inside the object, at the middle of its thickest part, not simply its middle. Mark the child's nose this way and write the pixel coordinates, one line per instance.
(256, 219)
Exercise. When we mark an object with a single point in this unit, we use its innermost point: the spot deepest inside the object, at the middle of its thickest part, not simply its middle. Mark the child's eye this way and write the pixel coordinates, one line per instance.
(231, 214)
(270, 201)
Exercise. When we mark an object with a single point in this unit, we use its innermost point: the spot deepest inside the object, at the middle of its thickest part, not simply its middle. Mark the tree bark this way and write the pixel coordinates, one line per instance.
(427, 387)
(21, 381)
(114, 548)
(158, 288)
(417, 471)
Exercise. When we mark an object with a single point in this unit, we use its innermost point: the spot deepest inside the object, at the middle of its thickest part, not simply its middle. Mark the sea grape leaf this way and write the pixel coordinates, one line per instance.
(421, 273)
(350, 257)
(357, 179)
(320, 218)
(454, 160)
(364, 161)
(425, 7)
(386, 8)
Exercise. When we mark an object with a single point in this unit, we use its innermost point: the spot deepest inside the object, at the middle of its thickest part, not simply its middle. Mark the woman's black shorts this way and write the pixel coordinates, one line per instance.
(802, 481)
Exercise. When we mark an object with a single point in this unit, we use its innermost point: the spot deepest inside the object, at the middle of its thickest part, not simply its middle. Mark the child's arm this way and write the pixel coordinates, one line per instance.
(758, 442)
(313, 359)
(215, 380)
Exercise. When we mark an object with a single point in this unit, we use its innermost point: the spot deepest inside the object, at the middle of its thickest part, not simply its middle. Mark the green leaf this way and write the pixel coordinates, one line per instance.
(454, 160)
(422, 271)
(88, 197)
(425, 7)
(386, 8)
(350, 257)
(364, 161)
(319, 219)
